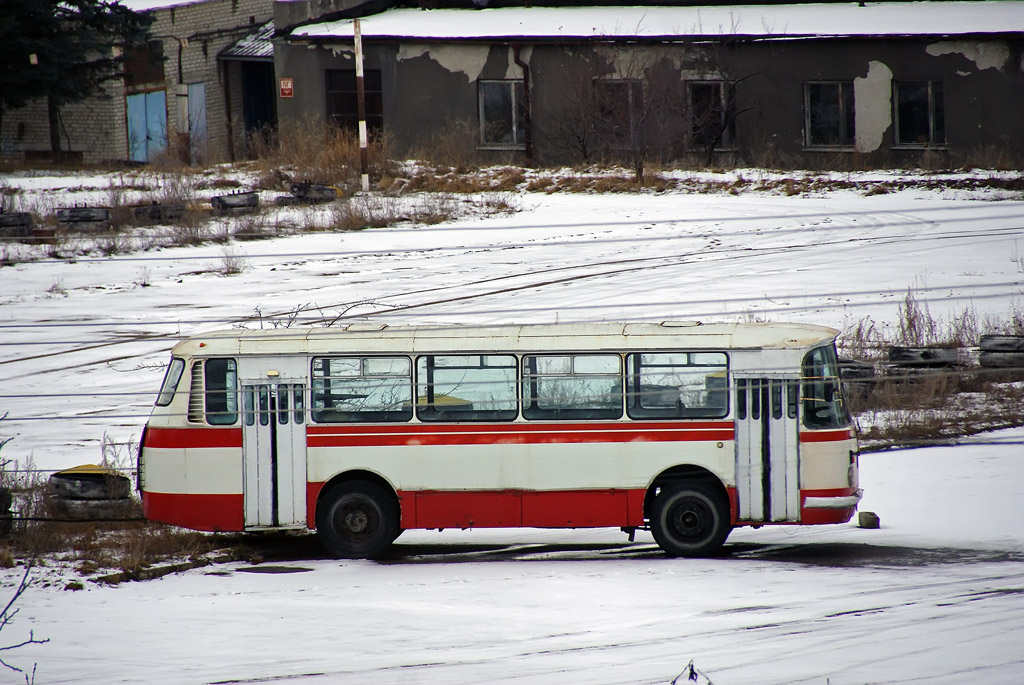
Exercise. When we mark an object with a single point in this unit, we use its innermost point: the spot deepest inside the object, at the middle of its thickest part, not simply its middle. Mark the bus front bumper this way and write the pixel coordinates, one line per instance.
(844, 502)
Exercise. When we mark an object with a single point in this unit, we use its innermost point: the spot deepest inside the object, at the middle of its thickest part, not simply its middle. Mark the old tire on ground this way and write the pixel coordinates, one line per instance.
(1001, 343)
(357, 520)
(690, 519)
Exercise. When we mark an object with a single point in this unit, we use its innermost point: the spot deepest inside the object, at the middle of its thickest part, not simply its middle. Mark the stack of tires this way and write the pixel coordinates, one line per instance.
(1001, 351)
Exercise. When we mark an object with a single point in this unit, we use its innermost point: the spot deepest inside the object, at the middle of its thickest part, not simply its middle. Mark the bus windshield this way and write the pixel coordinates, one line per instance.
(823, 397)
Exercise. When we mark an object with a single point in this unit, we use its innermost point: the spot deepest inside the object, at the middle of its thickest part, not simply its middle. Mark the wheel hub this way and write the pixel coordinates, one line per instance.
(356, 521)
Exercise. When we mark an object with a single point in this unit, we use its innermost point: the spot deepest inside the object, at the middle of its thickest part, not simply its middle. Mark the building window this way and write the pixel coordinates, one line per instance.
(342, 102)
(829, 114)
(920, 114)
(503, 114)
(144, 64)
(618, 106)
(711, 126)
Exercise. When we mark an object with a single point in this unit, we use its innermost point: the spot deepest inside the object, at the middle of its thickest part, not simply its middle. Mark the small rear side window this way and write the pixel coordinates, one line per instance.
(170, 383)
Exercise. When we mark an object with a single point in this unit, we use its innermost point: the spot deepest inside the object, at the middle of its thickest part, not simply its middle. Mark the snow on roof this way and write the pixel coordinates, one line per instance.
(150, 5)
(764, 21)
(256, 45)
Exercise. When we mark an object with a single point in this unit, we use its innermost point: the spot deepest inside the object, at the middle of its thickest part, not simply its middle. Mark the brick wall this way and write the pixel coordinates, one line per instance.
(192, 36)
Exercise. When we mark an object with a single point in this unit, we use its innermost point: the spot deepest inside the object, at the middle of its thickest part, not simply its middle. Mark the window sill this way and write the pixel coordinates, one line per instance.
(829, 148)
(500, 147)
(944, 147)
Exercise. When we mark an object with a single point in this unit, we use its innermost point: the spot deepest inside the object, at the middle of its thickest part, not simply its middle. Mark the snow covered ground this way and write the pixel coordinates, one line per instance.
(83, 341)
(933, 597)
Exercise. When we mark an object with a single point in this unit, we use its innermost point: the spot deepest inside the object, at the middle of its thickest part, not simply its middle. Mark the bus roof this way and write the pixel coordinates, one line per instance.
(359, 338)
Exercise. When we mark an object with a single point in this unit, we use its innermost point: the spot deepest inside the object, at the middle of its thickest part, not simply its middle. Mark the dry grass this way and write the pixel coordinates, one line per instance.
(910, 406)
(313, 151)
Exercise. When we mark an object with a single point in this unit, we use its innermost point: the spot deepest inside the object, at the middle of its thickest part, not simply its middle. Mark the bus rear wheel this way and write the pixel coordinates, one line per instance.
(690, 520)
(357, 520)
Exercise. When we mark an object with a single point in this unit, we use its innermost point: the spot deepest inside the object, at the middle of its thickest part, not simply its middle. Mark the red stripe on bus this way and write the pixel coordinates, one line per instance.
(826, 436)
(518, 434)
(199, 512)
(182, 438)
(522, 508)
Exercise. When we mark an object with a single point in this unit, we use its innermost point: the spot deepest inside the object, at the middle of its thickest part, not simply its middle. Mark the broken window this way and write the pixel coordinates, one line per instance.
(343, 104)
(829, 114)
(710, 108)
(144, 63)
(503, 114)
(920, 114)
(619, 105)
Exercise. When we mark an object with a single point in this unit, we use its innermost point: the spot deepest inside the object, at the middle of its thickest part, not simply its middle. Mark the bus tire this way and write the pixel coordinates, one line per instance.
(690, 520)
(357, 520)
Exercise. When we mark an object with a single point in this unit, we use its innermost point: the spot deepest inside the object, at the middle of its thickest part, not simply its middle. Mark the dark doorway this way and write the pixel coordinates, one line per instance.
(259, 104)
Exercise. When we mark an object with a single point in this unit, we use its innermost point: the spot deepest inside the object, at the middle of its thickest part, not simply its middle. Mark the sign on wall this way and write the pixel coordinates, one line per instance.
(287, 88)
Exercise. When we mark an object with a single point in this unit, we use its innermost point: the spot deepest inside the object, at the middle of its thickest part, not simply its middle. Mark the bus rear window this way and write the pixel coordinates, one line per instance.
(822, 394)
(170, 384)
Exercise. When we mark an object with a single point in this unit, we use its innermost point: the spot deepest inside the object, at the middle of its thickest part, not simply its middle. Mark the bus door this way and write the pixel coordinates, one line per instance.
(274, 414)
(767, 448)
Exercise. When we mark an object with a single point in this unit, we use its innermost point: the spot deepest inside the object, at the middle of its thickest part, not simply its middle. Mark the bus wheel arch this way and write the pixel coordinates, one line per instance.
(689, 512)
(357, 516)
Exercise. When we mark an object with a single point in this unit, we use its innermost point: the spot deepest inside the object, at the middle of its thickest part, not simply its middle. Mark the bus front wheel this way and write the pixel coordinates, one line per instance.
(357, 520)
(690, 519)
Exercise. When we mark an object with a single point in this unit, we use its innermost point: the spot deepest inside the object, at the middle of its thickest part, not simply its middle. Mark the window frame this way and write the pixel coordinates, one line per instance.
(227, 416)
(821, 384)
(373, 92)
(428, 412)
(530, 380)
(518, 102)
(334, 415)
(936, 115)
(634, 386)
(608, 114)
(169, 387)
(846, 125)
(726, 107)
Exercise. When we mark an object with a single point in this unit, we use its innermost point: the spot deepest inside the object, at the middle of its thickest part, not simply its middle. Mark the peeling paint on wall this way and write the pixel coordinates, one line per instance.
(987, 55)
(345, 53)
(872, 95)
(468, 59)
(514, 71)
(629, 63)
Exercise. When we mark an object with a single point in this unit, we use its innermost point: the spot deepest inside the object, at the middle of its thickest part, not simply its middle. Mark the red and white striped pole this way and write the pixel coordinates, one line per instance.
(361, 104)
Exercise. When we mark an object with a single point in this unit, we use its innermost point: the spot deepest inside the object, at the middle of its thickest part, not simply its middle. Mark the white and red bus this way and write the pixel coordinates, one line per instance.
(682, 428)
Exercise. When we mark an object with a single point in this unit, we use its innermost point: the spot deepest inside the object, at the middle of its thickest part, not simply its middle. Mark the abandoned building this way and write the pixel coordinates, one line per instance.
(204, 79)
(817, 85)
(895, 83)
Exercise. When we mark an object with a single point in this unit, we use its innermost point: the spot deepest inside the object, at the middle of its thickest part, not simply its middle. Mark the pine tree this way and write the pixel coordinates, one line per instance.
(63, 50)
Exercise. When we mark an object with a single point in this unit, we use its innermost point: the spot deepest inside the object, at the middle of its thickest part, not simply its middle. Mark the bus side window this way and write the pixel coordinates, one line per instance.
(361, 389)
(221, 389)
(678, 385)
(577, 386)
(474, 387)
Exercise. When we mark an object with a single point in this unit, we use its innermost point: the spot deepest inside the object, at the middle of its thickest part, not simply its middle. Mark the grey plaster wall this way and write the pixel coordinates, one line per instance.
(431, 88)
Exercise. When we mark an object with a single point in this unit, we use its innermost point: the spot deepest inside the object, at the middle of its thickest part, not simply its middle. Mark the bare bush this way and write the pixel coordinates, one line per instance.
(232, 262)
(314, 151)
